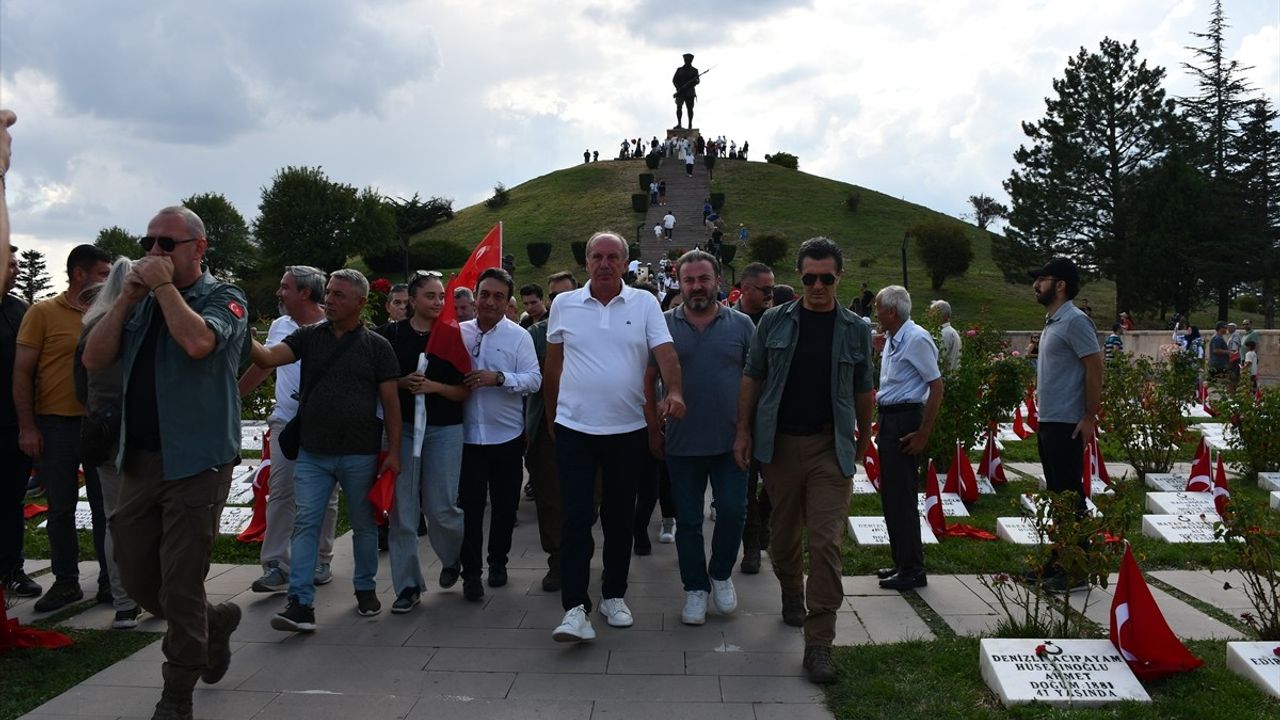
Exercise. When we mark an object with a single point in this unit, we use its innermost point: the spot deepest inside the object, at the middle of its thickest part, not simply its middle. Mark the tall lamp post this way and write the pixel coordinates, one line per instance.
(905, 237)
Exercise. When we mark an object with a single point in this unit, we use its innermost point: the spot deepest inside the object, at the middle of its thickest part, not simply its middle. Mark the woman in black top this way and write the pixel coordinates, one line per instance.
(427, 484)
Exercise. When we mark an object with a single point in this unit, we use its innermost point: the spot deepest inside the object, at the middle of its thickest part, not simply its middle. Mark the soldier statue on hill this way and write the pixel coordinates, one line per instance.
(686, 81)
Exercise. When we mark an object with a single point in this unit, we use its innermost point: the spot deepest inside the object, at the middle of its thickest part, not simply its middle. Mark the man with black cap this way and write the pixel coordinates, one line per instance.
(1069, 386)
(686, 81)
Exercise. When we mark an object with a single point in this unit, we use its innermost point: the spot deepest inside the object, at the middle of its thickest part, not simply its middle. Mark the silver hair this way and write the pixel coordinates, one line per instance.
(108, 291)
(897, 299)
(943, 308)
(355, 278)
(604, 234)
(195, 225)
(311, 279)
(463, 292)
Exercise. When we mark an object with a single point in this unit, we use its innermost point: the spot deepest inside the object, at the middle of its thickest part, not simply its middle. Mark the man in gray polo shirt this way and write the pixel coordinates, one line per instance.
(1069, 390)
(712, 342)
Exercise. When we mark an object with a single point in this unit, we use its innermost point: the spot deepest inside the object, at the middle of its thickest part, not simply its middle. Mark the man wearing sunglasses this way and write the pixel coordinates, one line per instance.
(806, 386)
(757, 296)
(179, 335)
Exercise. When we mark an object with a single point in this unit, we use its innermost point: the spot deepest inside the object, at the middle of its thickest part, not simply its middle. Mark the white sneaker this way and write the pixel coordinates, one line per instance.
(724, 596)
(575, 627)
(695, 607)
(616, 612)
(668, 534)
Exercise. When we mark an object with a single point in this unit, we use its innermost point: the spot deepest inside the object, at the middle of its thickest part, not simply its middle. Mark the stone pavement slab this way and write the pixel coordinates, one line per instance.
(1186, 621)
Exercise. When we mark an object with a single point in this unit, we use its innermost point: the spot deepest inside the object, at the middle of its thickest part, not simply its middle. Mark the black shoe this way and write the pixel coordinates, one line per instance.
(173, 705)
(222, 623)
(449, 575)
(551, 582)
(751, 563)
(126, 619)
(793, 611)
(886, 572)
(817, 660)
(528, 490)
(295, 618)
(19, 584)
(104, 596)
(422, 525)
(384, 542)
(642, 545)
(497, 576)
(904, 582)
(367, 603)
(472, 588)
(64, 592)
(407, 600)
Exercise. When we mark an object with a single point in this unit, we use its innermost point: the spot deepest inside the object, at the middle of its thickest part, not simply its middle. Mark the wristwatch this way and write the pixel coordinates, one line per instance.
(501, 379)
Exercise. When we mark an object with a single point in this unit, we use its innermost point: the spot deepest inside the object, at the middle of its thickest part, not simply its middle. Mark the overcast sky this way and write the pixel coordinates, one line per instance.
(129, 105)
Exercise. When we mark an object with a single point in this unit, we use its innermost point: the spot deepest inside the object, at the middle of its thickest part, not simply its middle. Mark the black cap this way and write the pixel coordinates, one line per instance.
(688, 56)
(1221, 324)
(1061, 268)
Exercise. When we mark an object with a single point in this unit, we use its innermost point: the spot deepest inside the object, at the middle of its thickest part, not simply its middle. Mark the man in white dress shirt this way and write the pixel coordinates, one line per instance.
(505, 370)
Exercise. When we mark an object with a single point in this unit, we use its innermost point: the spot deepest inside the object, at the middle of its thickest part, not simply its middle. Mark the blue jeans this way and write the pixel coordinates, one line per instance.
(313, 479)
(427, 485)
(689, 475)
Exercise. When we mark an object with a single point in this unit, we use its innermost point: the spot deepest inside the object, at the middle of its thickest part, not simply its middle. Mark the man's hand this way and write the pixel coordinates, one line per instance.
(672, 406)
(31, 442)
(657, 444)
(154, 270)
(392, 463)
(1086, 428)
(481, 378)
(411, 383)
(7, 118)
(742, 449)
(913, 443)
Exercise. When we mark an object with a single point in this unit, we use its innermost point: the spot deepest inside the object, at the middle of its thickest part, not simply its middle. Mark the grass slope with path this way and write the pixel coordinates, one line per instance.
(572, 203)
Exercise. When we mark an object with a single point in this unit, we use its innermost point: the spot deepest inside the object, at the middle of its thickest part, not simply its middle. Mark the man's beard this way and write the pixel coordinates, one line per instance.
(698, 302)
(1046, 297)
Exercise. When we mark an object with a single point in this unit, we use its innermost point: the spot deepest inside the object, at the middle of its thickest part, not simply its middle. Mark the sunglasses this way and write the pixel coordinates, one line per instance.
(810, 278)
(428, 273)
(766, 290)
(475, 349)
(166, 244)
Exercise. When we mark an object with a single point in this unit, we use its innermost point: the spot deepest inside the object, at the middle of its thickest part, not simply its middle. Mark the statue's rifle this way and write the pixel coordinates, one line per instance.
(692, 80)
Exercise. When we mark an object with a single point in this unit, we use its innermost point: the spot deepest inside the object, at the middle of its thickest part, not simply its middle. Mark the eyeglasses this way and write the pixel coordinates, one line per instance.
(810, 278)
(475, 350)
(166, 243)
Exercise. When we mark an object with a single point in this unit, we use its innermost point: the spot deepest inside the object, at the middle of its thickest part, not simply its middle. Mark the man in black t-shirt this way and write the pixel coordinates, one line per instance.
(346, 370)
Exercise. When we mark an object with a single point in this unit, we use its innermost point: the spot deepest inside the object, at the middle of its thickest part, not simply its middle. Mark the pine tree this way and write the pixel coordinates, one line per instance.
(33, 281)
(1257, 151)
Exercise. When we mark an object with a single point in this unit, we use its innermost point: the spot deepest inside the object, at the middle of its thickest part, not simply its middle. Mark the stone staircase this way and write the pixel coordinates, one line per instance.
(685, 196)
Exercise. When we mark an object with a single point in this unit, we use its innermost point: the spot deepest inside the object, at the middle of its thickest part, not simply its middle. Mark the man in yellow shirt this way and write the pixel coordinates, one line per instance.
(49, 417)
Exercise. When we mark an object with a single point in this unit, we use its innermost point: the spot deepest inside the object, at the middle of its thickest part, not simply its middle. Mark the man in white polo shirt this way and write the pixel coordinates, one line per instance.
(598, 342)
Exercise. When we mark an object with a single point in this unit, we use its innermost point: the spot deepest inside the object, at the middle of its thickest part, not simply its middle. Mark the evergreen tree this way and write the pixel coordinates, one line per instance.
(306, 218)
(33, 282)
(986, 209)
(1257, 151)
(232, 253)
(1073, 189)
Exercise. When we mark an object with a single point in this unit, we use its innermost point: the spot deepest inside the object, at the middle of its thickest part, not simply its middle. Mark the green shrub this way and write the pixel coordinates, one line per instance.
(768, 249)
(673, 254)
(501, 196)
(717, 201)
(786, 160)
(388, 261)
(1254, 421)
(1247, 303)
(539, 253)
(653, 160)
(728, 253)
(645, 179)
(437, 254)
(1252, 549)
(1142, 401)
(944, 248)
(258, 404)
(866, 262)
(709, 161)
(633, 251)
(640, 202)
(852, 201)
(579, 248)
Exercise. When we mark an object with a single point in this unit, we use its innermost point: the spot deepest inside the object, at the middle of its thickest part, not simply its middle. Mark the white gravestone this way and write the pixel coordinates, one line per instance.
(862, 485)
(1275, 499)
(1072, 673)
(1269, 480)
(1029, 504)
(251, 434)
(985, 487)
(1180, 528)
(952, 505)
(84, 517)
(234, 520)
(1167, 482)
(241, 494)
(1179, 503)
(244, 473)
(1097, 488)
(871, 530)
(1018, 530)
(1258, 662)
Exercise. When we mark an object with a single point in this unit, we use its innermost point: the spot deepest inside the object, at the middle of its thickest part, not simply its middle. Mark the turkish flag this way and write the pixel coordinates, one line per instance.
(991, 466)
(1199, 480)
(871, 463)
(446, 340)
(1033, 414)
(1099, 466)
(960, 477)
(257, 528)
(1086, 479)
(382, 494)
(1221, 494)
(1139, 631)
(933, 502)
(1018, 428)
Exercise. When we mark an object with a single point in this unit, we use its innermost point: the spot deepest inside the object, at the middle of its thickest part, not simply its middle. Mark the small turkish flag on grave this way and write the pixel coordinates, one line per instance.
(871, 463)
(1199, 479)
(257, 528)
(1099, 466)
(933, 502)
(1033, 415)
(960, 477)
(1018, 428)
(991, 466)
(1221, 494)
(1139, 630)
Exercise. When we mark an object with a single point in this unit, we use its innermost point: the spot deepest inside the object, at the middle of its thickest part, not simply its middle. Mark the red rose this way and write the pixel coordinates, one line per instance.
(1041, 651)
(381, 285)
(1276, 651)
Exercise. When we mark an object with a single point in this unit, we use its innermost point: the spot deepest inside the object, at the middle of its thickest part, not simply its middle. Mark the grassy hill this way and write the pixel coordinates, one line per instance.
(570, 204)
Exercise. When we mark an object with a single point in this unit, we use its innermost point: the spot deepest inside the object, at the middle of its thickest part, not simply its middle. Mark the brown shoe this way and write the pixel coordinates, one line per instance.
(793, 612)
(751, 560)
(817, 660)
(551, 581)
(173, 705)
(224, 621)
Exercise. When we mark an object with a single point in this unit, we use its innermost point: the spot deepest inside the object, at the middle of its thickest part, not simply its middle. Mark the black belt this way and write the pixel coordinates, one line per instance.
(802, 431)
(899, 408)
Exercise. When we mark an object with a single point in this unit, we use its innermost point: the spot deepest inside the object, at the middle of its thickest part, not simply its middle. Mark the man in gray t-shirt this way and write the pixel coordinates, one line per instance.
(1069, 386)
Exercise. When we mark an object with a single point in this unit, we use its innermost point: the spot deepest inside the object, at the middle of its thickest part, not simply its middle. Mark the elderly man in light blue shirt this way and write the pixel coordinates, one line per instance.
(908, 401)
